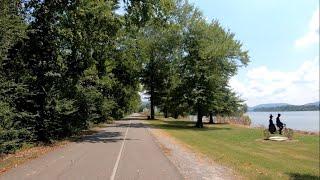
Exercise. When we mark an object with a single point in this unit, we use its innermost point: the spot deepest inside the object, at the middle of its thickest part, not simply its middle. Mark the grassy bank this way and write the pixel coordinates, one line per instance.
(243, 150)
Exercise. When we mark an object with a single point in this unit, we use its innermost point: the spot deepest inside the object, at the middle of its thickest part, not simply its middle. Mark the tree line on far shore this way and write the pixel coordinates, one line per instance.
(288, 108)
(66, 64)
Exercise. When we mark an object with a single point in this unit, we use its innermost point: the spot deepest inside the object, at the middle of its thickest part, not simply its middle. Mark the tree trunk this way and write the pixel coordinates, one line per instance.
(152, 101)
(199, 123)
(176, 115)
(166, 113)
(211, 118)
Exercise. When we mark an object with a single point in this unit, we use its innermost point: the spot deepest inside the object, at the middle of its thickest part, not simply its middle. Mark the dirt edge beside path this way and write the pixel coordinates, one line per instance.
(24, 155)
(192, 165)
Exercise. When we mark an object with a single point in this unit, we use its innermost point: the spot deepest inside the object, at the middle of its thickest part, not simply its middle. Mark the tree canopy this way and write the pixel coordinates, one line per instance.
(65, 64)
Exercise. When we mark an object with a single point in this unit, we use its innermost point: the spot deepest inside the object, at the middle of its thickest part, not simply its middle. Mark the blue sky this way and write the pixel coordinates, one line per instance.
(282, 37)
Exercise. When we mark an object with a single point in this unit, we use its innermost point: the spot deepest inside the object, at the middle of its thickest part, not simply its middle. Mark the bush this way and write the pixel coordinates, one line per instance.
(11, 136)
(246, 120)
(243, 120)
(288, 133)
(266, 134)
(12, 140)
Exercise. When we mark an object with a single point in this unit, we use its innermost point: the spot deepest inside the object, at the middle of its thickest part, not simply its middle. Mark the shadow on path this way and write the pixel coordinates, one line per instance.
(132, 125)
(103, 137)
(172, 124)
(185, 125)
(298, 176)
(115, 136)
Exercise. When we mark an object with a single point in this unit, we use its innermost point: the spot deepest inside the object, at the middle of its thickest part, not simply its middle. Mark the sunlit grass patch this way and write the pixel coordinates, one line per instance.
(245, 151)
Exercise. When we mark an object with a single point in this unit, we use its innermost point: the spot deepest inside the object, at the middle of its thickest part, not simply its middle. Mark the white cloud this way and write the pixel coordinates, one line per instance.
(262, 85)
(143, 96)
(312, 36)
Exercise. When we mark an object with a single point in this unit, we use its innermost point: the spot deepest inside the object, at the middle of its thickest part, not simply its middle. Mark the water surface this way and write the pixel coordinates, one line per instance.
(298, 120)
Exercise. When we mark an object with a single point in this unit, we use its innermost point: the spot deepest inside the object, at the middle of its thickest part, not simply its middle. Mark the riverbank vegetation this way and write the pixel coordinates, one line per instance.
(244, 150)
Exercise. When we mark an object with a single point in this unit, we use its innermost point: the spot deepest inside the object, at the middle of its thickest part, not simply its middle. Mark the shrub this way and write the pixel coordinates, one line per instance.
(12, 140)
(266, 134)
(288, 133)
(243, 120)
(11, 136)
(246, 120)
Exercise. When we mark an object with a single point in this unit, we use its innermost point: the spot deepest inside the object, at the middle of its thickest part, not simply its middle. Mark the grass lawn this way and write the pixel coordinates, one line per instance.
(243, 149)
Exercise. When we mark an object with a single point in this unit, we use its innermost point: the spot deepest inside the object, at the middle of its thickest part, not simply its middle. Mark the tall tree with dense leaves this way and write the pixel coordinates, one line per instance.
(12, 25)
(65, 66)
(152, 20)
(158, 73)
(12, 30)
(89, 50)
(33, 64)
(126, 71)
(212, 57)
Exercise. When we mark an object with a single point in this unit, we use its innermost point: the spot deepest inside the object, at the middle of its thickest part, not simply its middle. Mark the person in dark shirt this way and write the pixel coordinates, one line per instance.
(272, 127)
(279, 124)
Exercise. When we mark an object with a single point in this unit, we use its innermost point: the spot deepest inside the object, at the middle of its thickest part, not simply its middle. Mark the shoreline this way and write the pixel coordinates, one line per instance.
(304, 122)
(294, 130)
(206, 120)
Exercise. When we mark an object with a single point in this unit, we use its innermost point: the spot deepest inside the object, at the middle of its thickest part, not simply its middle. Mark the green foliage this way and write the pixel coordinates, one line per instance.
(11, 136)
(210, 57)
(12, 26)
(12, 30)
(143, 106)
(70, 71)
(66, 64)
(156, 46)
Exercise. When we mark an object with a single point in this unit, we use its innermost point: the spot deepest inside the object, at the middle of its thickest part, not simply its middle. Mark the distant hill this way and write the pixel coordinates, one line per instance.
(285, 107)
(270, 105)
(315, 104)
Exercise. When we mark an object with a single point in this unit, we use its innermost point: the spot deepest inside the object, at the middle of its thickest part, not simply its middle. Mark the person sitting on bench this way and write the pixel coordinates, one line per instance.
(279, 124)
(272, 127)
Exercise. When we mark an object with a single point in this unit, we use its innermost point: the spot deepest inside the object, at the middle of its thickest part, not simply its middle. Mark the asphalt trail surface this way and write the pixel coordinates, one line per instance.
(122, 151)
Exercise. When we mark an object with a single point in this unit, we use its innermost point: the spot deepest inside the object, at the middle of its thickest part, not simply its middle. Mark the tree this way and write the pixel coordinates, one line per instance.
(12, 25)
(89, 33)
(33, 64)
(127, 68)
(65, 64)
(151, 19)
(64, 67)
(158, 73)
(12, 30)
(211, 59)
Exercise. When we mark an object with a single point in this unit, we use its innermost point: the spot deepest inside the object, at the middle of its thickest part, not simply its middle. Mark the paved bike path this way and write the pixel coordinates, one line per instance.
(122, 151)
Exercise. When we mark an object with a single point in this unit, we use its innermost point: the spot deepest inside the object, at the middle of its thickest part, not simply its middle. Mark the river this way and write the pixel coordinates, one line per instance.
(298, 120)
